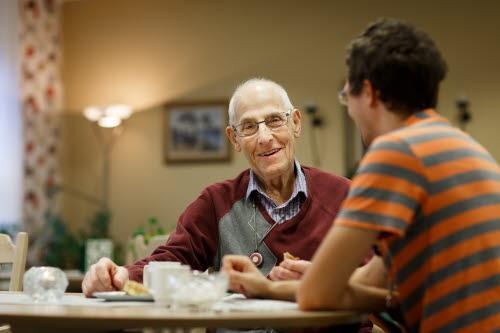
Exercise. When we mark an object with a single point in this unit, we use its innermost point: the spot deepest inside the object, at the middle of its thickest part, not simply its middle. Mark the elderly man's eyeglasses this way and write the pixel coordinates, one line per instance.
(342, 95)
(273, 122)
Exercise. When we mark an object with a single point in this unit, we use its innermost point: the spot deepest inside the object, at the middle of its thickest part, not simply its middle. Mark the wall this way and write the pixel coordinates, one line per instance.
(149, 52)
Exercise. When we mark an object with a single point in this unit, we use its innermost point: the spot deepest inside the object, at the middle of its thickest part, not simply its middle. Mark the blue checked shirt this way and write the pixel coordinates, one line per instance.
(288, 209)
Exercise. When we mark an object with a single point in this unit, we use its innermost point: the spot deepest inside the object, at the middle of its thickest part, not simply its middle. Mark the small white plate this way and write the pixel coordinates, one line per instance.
(121, 296)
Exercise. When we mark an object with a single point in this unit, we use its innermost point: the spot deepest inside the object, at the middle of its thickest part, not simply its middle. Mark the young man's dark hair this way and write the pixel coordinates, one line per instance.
(402, 63)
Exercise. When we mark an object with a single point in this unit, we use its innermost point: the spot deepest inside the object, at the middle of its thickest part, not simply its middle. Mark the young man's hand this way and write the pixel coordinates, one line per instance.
(244, 277)
(289, 270)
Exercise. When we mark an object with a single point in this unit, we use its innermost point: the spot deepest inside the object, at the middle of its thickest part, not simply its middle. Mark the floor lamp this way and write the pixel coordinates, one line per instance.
(106, 126)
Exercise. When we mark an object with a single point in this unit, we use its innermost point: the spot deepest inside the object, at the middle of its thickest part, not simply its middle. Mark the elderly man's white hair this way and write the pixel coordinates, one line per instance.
(280, 91)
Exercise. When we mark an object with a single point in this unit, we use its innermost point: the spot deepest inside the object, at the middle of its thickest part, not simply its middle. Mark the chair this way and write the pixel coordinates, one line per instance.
(141, 249)
(154, 242)
(15, 254)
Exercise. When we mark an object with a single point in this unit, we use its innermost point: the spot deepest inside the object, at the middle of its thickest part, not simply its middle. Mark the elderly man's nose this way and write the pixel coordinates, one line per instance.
(264, 133)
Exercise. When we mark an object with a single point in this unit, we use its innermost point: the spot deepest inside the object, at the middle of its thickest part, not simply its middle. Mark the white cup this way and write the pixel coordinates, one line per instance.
(163, 281)
(146, 272)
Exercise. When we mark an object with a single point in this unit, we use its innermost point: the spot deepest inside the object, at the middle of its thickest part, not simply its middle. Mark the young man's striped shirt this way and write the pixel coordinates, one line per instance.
(434, 194)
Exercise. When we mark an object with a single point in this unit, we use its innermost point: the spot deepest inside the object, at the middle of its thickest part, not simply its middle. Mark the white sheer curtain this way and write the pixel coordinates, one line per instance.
(11, 141)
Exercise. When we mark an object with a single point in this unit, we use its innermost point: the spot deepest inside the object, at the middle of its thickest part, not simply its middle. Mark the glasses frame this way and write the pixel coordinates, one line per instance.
(343, 97)
(287, 117)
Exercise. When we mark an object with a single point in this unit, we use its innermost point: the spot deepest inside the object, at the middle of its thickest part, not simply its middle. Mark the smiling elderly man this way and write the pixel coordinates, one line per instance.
(276, 206)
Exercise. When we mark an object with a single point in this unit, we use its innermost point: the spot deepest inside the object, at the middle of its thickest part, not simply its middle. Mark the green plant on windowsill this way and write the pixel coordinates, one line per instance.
(58, 237)
(151, 229)
(66, 249)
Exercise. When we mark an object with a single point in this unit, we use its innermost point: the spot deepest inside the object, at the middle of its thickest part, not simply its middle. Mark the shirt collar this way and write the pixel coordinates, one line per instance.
(426, 114)
(300, 185)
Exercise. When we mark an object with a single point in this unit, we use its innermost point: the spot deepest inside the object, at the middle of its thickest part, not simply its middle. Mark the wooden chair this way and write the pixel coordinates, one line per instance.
(141, 249)
(16, 255)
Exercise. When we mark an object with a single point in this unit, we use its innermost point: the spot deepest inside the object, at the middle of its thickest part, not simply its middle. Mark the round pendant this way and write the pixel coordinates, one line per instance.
(256, 258)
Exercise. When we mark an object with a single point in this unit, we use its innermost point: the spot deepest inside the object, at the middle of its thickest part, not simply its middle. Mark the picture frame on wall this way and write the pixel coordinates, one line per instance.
(196, 132)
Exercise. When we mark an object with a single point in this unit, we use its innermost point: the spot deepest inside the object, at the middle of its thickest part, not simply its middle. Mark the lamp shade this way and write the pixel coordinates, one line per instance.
(108, 117)
(120, 111)
(92, 113)
(109, 121)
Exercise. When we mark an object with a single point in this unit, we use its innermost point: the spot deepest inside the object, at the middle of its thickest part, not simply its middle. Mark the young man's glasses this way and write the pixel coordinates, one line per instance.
(342, 95)
(273, 122)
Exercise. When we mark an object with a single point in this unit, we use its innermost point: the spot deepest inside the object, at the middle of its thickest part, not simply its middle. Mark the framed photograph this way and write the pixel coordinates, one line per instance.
(196, 132)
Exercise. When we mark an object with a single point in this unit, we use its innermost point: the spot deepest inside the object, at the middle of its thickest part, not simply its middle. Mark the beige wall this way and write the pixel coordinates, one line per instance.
(147, 52)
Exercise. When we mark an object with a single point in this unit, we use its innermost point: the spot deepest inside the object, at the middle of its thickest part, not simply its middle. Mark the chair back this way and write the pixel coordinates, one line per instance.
(154, 242)
(141, 249)
(15, 254)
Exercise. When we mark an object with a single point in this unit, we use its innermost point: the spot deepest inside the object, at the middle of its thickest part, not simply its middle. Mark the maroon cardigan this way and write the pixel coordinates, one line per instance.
(202, 236)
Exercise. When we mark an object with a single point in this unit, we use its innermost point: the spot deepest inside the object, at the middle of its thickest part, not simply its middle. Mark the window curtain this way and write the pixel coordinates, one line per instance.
(11, 142)
(41, 97)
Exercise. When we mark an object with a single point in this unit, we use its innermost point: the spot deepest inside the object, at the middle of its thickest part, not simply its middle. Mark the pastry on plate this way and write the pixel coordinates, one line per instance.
(135, 288)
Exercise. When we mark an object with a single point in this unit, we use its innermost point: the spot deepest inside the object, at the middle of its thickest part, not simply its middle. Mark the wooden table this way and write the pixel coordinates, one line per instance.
(25, 318)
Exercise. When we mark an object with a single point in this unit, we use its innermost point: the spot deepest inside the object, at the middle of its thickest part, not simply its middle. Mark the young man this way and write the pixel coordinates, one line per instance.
(426, 194)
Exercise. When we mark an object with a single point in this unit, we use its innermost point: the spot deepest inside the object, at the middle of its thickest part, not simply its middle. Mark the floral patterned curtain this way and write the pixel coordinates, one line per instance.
(42, 95)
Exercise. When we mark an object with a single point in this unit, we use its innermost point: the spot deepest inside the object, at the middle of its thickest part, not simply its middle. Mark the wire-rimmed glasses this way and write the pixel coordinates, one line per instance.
(273, 122)
(342, 96)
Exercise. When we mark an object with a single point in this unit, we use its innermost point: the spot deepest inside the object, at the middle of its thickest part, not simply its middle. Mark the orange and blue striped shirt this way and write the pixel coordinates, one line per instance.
(434, 194)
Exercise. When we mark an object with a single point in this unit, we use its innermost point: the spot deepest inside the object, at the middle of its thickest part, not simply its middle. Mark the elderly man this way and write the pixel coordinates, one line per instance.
(426, 194)
(276, 206)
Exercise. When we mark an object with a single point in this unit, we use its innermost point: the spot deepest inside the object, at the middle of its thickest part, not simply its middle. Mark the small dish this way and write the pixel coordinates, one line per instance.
(121, 296)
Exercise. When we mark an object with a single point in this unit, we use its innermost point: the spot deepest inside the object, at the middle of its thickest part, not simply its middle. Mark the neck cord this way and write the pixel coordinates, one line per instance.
(257, 244)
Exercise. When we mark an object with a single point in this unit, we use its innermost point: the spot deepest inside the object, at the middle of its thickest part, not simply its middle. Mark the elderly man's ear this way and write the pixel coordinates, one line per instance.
(232, 137)
(296, 122)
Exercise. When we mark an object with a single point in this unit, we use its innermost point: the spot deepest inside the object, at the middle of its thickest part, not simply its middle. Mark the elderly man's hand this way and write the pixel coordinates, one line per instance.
(105, 275)
(244, 277)
(289, 270)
